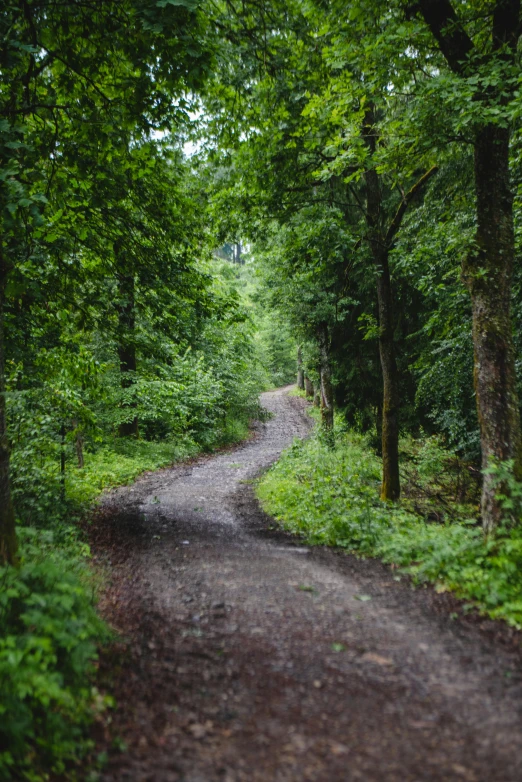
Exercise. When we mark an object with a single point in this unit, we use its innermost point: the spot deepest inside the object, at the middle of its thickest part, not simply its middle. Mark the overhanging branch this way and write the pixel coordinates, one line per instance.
(454, 42)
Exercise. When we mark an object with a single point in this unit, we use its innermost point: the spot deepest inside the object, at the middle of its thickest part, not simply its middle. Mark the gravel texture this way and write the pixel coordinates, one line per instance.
(248, 657)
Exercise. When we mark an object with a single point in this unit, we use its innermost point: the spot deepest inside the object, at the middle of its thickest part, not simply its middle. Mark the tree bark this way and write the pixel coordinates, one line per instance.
(391, 486)
(327, 401)
(487, 272)
(300, 372)
(309, 388)
(127, 347)
(78, 443)
(488, 269)
(8, 538)
(317, 395)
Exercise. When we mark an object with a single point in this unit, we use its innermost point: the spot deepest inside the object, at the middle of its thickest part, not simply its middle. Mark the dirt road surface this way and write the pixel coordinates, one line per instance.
(249, 657)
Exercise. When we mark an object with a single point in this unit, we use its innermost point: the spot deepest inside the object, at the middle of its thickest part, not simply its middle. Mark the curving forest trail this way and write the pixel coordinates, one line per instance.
(250, 658)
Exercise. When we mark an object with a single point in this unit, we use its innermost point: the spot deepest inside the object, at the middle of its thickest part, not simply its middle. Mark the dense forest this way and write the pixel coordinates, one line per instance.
(204, 199)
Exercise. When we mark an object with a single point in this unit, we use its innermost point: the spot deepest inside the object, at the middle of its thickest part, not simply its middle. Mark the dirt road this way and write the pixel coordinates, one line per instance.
(251, 658)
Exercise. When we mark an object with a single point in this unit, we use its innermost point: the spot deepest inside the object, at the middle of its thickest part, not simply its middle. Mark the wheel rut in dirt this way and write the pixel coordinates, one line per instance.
(249, 657)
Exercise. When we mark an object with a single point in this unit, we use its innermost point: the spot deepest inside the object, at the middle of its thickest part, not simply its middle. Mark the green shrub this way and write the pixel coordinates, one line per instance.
(331, 497)
(186, 399)
(49, 632)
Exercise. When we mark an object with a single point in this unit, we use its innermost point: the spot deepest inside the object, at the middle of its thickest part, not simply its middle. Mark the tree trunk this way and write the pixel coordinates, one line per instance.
(317, 395)
(391, 487)
(379, 242)
(8, 539)
(127, 347)
(487, 272)
(309, 388)
(300, 372)
(62, 462)
(327, 403)
(78, 444)
(79, 451)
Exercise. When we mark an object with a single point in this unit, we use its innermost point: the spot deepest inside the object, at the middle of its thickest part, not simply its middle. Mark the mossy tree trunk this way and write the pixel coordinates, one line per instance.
(309, 387)
(487, 272)
(382, 233)
(391, 486)
(8, 539)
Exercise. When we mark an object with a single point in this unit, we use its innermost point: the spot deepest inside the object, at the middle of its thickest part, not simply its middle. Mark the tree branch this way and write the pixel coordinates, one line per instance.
(454, 42)
(506, 24)
(401, 211)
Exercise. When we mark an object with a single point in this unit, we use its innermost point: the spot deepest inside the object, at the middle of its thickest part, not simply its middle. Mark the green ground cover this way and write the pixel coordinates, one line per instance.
(120, 462)
(331, 497)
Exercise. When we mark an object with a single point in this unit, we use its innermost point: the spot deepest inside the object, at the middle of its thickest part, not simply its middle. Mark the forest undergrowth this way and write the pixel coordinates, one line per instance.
(330, 496)
(50, 631)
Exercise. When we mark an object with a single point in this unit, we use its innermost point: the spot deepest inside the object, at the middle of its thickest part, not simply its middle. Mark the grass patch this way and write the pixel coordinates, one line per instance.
(297, 392)
(331, 497)
(120, 463)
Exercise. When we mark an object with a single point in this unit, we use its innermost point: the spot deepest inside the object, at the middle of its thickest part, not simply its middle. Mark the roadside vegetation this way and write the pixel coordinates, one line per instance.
(67, 447)
(372, 154)
(331, 497)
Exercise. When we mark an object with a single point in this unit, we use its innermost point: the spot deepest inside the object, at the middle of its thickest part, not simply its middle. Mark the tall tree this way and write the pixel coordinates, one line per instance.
(489, 64)
(300, 373)
(77, 77)
(326, 121)
(327, 397)
(382, 234)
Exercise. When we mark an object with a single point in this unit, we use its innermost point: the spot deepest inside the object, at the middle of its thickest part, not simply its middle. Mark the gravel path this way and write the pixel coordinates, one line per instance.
(251, 658)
